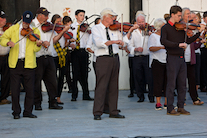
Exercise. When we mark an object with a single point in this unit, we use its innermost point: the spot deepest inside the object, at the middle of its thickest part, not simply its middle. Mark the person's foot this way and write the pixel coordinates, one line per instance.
(183, 111)
(38, 107)
(158, 106)
(16, 116)
(70, 91)
(141, 100)
(198, 102)
(97, 117)
(107, 111)
(131, 95)
(73, 99)
(173, 112)
(55, 106)
(30, 116)
(151, 99)
(5, 101)
(88, 98)
(116, 116)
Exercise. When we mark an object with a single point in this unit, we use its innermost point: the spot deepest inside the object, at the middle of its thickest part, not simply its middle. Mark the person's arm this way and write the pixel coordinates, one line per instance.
(89, 44)
(57, 37)
(5, 39)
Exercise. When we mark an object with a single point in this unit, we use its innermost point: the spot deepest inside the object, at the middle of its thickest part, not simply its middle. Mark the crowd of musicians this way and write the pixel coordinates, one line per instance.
(160, 60)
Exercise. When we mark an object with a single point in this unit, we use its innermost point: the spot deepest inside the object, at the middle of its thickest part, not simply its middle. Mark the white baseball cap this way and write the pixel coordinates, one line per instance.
(108, 11)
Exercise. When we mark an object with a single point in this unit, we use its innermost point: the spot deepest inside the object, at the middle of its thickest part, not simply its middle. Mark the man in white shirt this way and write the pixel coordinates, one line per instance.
(4, 68)
(142, 73)
(79, 58)
(107, 44)
(46, 70)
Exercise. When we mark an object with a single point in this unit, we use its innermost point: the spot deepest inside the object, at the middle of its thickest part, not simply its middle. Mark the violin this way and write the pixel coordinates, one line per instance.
(117, 26)
(147, 27)
(32, 37)
(6, 26)
(182, 26)
(84, 27)
(49, 26)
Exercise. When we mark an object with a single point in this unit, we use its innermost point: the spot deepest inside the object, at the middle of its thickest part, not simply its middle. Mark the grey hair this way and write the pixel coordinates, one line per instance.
(183, 11)
(140, 15)
(158, 23)
(104, 15)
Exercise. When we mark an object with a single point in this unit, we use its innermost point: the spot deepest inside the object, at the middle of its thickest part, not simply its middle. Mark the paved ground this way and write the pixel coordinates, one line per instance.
(76, 120)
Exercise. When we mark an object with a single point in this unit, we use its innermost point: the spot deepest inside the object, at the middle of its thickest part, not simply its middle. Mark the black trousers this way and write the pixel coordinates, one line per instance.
(5, 77)
(176, 74)
(68, 70)
(131, 75)
(107, 74)
(203, 75)
(29, 80)
(159, 78)
(198, 68)
(192, 82)
(45, 71)
(80, 72)
(61, 74)
(142, 75)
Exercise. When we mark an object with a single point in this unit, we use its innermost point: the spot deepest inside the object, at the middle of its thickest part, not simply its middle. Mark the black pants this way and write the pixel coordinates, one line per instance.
(80, 72)
(159, 78)
(197, 68)
(68, 70)
(29, 80)
(192, 82)
(107, 74)
(203, 75)
(131, 75)
(176, 74)
(45, 71)
(5, 77)
(142, 75)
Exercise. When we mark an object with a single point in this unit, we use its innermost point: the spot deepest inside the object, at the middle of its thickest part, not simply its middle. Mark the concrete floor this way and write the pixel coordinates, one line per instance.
(76, 120)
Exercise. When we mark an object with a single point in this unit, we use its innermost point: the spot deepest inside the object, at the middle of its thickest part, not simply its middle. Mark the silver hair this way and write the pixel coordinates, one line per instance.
(140, 15)
(104, 15)
(183, 10)
(158, 23)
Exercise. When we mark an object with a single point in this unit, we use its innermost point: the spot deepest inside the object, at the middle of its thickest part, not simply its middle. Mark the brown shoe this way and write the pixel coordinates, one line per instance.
(173, 112)
(183, 111)
(5, 101)
(198, 102)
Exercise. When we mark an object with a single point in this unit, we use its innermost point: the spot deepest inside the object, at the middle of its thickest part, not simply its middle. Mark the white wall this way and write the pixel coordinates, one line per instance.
(94, 7)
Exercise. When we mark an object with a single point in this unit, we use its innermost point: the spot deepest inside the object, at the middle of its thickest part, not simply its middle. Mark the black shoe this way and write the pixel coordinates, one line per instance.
(151, 99)
(117, 116)
(97, 117)
(16, 116)
(70, 91)
(38, 107)
(88, 99)
(119, 110)
(73, 99)
(30, 116)
(107, 111)
(131, 95)
(141, 100)
(55, 106)
(60, 103)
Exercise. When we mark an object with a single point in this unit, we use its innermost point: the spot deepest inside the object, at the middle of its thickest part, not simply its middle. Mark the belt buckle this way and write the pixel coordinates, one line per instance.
(45, 56)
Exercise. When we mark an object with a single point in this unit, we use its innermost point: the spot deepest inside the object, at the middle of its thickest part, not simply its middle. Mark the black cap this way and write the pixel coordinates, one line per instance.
(2, 14)
(205, 14)
(42, 10)
(27, 16)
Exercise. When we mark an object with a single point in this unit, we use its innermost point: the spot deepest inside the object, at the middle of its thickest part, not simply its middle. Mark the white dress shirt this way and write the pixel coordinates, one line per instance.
(90, 45)
(136, 41)
(188, 54)
(45, 37)
(22, 43)
(99, 39)
(160, 55)
(83, 36)
(3, 50)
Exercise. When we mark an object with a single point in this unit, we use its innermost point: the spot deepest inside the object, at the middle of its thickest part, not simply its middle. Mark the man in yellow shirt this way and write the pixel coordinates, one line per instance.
(22, 63)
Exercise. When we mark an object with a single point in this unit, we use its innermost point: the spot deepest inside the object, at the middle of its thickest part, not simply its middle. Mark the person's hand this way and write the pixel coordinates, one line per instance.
(72, 40)
(39, 42)
(183, 45)
(203, 41)
(10, 44)
(72, 46)
(138, 49)
(135, 26)
(90, 50)
(66, 28)
(119, 42)
(202, 27)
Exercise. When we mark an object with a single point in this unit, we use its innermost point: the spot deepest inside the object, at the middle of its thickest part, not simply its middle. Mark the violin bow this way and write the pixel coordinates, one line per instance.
(122, 33)
(186, 30)
(145, 31)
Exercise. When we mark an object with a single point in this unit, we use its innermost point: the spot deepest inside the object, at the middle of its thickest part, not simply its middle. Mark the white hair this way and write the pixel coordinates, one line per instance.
(183, 10)
(140, 15)
(158, 23)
